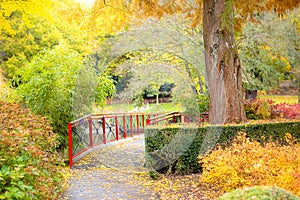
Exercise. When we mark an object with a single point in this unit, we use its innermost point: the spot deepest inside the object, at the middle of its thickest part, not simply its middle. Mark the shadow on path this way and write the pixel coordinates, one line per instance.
(111, 173)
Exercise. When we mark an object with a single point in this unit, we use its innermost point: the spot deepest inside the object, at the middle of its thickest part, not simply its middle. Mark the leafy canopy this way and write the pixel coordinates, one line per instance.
(194, 8)
(27, 7)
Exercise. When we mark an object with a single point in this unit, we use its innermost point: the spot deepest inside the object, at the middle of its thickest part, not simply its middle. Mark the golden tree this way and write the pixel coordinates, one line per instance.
(26, 7)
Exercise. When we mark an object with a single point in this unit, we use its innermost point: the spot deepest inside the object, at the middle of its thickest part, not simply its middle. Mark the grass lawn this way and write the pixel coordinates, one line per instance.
(151, 108)
(171, 107)
(281, 98)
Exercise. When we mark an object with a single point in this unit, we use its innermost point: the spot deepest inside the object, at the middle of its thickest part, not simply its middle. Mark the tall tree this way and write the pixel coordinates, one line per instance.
(172, 44)
(283, 36)
(268, 51)
(219, 18)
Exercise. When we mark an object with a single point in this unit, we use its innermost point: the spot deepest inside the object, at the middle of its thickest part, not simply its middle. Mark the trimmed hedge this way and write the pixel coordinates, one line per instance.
(175, 149)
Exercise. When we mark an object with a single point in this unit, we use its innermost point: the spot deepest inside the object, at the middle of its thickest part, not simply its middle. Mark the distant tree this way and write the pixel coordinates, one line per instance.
(284, 38)
(263, 67)
(169, 42)
(171, 37)
(269, 50)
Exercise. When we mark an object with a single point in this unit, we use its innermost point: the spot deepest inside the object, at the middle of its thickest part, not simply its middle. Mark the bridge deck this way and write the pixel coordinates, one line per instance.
(111, 173)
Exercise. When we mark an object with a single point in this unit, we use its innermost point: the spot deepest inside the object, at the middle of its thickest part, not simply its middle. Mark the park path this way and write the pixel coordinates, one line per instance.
(115, 172)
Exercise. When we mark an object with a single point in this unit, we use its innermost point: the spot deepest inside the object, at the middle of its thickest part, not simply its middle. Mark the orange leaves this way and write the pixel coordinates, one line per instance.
(243, 10)
(247, 163)
(281, 6)
(27, 153)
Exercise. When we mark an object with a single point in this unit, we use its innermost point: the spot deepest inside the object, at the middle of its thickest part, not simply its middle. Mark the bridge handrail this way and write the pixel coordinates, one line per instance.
(165, 117)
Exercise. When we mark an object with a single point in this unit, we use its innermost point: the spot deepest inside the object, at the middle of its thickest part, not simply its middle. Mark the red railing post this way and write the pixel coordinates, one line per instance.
(91, 131)
(137, 124)
(117, 128)
(124, 126)
(174, 119)
(70, 144)
(148, 121)
(103, 129)
(130, 121)
(143, 123)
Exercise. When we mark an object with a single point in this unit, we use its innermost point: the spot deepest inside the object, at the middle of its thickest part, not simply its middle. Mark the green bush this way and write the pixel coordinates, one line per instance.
(176, 149)
(28, 158)
(259, 192)
(61, 85)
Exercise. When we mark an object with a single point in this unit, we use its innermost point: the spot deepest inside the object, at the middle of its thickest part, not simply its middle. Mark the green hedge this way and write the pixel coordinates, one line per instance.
(175, 149)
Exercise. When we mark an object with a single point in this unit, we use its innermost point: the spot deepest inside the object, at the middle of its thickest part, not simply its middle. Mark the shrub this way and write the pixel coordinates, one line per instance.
(288, 111)
(265, 109)
(61, 85)
(247, 163)
(29, 161)
(176, 148)
(258, 109)
(259, 192)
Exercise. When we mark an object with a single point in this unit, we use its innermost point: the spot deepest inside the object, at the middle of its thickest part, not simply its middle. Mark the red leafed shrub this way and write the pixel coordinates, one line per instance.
(266, 109)
(288, 111)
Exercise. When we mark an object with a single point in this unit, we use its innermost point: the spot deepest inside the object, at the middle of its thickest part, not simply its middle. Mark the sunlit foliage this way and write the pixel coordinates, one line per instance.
(247, 163)
(8, 8)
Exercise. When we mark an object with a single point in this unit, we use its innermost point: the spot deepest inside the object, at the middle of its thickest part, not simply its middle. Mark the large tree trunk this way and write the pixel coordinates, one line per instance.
(299, 93)
(222, 63)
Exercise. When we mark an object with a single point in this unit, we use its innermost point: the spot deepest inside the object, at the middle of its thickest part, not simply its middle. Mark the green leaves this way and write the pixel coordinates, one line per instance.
(62, 86)
(47, 83)
(105, 88)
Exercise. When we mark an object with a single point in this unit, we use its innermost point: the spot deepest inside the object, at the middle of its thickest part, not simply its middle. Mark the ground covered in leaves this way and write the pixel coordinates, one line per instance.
(118, 172)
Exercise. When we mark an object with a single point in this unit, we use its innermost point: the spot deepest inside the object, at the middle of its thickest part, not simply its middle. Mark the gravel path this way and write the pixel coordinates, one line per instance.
(111, 173)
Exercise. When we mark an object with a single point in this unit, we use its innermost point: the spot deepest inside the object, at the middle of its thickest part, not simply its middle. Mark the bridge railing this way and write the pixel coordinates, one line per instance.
(176, 117)
(91, 132)
(173, 117)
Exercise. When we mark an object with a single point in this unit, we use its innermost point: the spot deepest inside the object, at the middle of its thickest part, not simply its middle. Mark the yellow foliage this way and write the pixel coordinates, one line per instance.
(4, 89)
(247, 163)
(109, 17)
(26, 7)
(288, 66)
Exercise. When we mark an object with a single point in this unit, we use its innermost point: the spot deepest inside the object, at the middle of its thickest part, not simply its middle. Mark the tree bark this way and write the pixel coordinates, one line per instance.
(222, 63)
(299, 93)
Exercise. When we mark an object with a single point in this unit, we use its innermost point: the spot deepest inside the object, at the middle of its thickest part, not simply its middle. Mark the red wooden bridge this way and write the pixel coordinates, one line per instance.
(95, 131)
